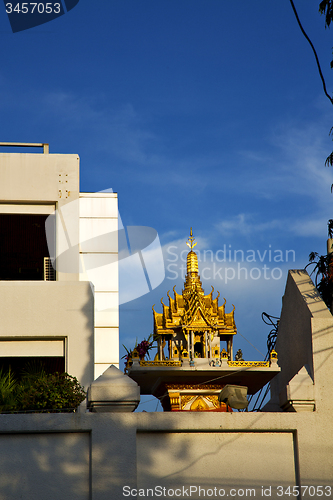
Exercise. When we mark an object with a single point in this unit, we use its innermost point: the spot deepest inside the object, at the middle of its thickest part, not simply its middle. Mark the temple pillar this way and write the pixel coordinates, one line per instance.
(206, 345)
(229, 348)
(160, 349)
(192, 343)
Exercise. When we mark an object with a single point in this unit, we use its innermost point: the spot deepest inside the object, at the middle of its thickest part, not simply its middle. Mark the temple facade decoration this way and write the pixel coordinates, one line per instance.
(194, 359)
(193, 324)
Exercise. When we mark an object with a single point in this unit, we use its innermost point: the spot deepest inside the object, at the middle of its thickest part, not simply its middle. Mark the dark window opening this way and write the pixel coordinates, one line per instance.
(23, 247)
(33, 364)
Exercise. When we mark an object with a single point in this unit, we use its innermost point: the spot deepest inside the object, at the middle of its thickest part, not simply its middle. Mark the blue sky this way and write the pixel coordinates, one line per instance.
(204, 114)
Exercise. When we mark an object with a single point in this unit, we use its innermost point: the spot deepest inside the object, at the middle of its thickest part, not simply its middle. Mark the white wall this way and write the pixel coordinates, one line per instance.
(48, 318)
(99, 261)
(305, 337)
(48, 466)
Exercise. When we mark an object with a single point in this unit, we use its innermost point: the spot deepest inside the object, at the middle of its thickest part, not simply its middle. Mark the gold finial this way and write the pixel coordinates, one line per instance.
(190, 244)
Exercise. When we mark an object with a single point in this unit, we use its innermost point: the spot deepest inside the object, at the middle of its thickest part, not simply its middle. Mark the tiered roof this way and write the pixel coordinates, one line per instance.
(193, 310)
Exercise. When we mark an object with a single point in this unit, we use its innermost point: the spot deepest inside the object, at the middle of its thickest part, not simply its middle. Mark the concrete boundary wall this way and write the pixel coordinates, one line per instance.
(94, 456)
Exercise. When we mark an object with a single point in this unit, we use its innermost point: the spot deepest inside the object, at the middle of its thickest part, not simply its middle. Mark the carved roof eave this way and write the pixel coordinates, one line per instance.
(166, 331)
(227, 332)
(220, 329)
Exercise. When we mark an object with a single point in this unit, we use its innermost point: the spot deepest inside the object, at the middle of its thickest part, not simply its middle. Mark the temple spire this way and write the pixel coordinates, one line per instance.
(192, 279)
(190, 244)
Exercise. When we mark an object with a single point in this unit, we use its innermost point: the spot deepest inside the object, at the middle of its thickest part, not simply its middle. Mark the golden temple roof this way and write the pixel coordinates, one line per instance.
(193, 310)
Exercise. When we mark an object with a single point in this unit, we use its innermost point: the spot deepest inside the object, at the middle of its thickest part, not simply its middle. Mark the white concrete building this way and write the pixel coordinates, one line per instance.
(68, 317)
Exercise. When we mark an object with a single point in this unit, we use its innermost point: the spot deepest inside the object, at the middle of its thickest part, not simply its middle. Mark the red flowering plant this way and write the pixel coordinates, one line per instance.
(142, 349)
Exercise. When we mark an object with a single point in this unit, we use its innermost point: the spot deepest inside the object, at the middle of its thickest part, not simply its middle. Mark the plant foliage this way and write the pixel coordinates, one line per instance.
(39, 391)
(326, 8)
(52, 392)
(323, 275)
(323, 271)
(8, 387)
(142, 349)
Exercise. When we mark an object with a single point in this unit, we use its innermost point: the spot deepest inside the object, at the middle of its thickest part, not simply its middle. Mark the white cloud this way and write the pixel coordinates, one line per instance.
(316, 227)
(294, 164)
(246, 224)
(252, 224)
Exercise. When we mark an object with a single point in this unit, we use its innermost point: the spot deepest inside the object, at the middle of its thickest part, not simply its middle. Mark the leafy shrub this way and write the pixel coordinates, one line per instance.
(52, 392)
(39, 391)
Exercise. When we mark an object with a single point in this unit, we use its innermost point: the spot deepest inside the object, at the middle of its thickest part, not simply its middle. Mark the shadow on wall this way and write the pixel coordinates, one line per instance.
(67, 457)
(216, 458)
(41, 466)
(88, 312)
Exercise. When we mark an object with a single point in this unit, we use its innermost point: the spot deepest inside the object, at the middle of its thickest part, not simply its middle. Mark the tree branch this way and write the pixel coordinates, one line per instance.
(314, 51)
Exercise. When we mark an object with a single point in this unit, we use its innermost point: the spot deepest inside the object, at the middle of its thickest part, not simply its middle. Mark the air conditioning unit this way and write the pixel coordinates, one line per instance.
(49, 271)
